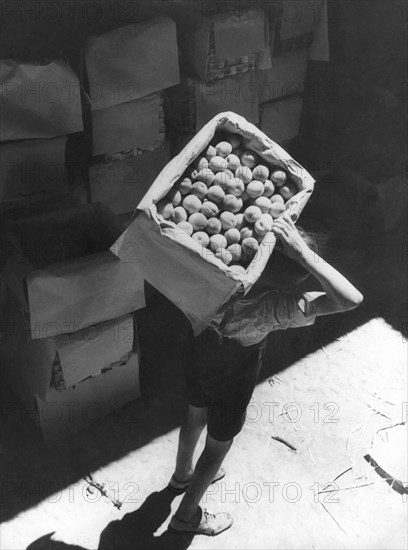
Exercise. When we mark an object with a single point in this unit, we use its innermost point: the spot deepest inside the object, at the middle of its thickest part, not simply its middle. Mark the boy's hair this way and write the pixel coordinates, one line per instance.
(284, 272)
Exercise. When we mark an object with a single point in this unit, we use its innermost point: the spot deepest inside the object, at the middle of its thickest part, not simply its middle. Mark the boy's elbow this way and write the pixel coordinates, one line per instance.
(353, 301)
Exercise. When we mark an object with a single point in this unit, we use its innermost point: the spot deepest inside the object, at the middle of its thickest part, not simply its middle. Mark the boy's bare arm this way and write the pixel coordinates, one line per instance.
(340, 294)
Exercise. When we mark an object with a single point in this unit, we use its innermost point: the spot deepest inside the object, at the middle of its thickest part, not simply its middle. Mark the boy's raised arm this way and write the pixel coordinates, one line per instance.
(340, 294)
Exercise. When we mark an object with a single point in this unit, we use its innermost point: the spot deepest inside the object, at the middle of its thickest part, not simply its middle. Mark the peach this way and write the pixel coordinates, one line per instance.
(245, 197)
(277, 198)
(240, 220)
(199, 189)
(233, 162)
(229, 173)
(222, 178)
(179, 215)
(165, 208)
(260, 172)
(232, 235)
(209, 153)
(200, 163)
(263, 203)
(209, 209)
(184, 186)
(227, 220)
(231, 203)
(224, 255)
(218, 164)
(255, 189)
(198, 221)
(174, 196)
(235, 251)
(246, 232)
(187, 227)
(249, 158)
(244, 173)
(286, 191)
(263, 225)
(238, 269)
(277, 209)
(217, 242)
(223, 149)
(249, 247)
(235, 186)
(213, 226)
(252, 214)
(269, 188)
(205, 175)
(192, 204)
(201, 237)
(278, 177)
(215, 194)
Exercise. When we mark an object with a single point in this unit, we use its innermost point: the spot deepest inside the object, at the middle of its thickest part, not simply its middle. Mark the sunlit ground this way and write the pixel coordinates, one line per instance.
(324, 411)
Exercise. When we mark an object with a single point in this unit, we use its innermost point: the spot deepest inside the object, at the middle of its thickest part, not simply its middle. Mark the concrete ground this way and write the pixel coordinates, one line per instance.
(296, 475)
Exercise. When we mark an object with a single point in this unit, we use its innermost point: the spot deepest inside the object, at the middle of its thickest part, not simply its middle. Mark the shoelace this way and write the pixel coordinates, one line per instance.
(208, 515)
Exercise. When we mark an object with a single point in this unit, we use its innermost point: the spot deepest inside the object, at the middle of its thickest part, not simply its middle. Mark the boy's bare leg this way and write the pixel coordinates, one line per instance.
(189, 435)
(206, 468)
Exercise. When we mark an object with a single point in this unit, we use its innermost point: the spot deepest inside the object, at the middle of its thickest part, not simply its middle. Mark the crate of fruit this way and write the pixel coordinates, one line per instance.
(203, 231)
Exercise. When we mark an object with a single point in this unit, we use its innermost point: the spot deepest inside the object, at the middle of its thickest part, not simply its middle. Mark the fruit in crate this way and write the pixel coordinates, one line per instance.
(227, 200)
(278, 177)
(199, 189)
(165, 209)
(223, 149)
(209, 209)
(260, 172)
(198, 221)
(218, 164)
(228, 220)
(235, 186)
(202, 237)
(192, 204)
(215, 194)
(186, 227)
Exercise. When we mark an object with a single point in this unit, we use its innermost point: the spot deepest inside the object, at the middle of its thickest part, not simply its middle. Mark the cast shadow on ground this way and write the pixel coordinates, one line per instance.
(135, 531)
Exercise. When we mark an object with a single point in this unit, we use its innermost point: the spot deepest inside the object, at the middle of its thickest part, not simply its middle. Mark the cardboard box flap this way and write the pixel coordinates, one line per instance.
(238, 37)
(132, 125)
(131, 62)
(70, 296)
(38, 101)
(175, 264)
(179, 258)
(88, 351)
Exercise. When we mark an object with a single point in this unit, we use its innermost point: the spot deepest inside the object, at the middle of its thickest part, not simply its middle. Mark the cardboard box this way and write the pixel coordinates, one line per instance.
(291, 26)
(38, 101)
(282, 119)
(218, 45)
(66, 279)
(177, 265)
(31, 168)
(33, 366)
(132, 62)
(194, 103)
(285, 79)
(121, 184)
(138, 124)
(61, 414)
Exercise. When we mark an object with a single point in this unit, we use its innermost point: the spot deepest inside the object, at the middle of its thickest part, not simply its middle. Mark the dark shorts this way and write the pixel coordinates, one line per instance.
(222, 377)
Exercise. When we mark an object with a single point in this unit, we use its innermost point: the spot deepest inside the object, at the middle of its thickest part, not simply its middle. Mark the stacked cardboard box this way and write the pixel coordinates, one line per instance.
(294, 33)
(127, 69)
(40, 106)
(218, 55)
(69, 336)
